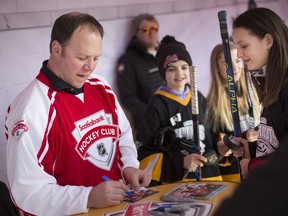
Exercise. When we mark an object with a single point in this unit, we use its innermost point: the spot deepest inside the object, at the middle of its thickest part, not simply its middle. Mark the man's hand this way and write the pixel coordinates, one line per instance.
(108, 193)
(137, 177)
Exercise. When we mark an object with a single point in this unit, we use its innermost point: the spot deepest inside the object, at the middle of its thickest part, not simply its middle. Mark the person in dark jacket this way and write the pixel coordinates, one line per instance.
(137, 72)
(264, 191)
(166, 146)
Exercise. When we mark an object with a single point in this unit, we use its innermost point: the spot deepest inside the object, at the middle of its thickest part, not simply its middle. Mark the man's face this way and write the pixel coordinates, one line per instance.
(78, 59)
(147, 34)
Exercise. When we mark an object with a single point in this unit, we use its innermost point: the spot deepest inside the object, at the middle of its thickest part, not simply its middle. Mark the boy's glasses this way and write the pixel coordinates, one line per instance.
(147, 30)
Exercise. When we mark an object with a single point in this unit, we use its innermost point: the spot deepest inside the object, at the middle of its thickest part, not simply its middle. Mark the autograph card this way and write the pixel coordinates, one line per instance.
(136, 209)
(160, 208)
(193, 191)
(136, 196)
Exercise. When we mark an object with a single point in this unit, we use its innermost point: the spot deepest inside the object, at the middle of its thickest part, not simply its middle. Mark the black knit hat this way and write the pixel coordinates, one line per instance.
(171, 50)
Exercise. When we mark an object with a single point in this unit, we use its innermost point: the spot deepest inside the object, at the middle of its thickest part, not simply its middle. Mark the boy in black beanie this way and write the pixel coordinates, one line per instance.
(170, 51)
(168, 123)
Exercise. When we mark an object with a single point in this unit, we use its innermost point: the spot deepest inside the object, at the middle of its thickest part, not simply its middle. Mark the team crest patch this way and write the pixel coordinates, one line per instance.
(19, 128)
(97, 139)
(98, 147)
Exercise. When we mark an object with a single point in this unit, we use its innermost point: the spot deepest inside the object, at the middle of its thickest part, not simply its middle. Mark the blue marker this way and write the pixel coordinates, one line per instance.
(105, 178)
(164, 206)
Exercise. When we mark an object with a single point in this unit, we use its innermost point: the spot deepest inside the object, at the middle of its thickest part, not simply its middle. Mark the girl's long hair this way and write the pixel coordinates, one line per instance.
(219, 117)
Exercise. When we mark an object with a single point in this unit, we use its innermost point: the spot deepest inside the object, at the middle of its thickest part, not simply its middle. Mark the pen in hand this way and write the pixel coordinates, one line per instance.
(105, 178)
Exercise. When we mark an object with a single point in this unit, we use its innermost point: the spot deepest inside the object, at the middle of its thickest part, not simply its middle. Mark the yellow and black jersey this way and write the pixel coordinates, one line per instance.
(169, 109)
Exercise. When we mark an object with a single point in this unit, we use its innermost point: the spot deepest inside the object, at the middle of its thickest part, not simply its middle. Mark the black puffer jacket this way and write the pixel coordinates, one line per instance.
(137, 78)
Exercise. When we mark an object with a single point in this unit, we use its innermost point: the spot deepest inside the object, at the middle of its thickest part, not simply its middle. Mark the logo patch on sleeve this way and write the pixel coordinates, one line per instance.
(19, 128)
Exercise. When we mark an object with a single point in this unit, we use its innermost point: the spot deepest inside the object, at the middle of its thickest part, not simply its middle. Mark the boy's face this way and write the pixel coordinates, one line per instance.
(177, 75)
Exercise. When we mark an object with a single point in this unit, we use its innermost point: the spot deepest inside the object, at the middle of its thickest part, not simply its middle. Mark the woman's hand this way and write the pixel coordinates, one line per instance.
(223, 149)
(243, 151)
(244, 167)
(251, 135)
(192, 161)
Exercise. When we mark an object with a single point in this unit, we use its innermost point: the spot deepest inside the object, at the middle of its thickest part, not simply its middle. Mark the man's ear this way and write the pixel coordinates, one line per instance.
(269, 40)
(56, 47)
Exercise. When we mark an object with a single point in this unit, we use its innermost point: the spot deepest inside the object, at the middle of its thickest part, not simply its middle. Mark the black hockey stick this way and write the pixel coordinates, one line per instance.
(230, 142)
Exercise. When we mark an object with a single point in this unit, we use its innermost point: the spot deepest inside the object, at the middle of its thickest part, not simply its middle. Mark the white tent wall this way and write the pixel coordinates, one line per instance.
(25, 27)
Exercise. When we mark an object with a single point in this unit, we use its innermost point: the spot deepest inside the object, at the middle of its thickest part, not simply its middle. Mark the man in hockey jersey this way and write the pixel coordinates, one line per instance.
(66, 130)
(165, 139)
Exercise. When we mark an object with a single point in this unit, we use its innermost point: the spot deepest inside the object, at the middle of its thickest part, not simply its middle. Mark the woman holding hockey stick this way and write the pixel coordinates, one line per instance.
(219, 116)
(166, 145)
(261, 37)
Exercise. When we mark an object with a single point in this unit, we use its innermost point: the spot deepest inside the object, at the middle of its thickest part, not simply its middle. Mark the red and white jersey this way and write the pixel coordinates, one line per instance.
(60, 145)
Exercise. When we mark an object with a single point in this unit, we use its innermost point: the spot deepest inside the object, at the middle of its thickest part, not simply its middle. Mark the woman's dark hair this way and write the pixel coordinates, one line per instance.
(262, 21)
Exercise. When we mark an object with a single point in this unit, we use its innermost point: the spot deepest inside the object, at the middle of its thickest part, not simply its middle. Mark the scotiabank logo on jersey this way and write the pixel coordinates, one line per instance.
(96, 138)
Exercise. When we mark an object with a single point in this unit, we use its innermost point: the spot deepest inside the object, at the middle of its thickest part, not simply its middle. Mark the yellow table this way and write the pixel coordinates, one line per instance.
(216, 200)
